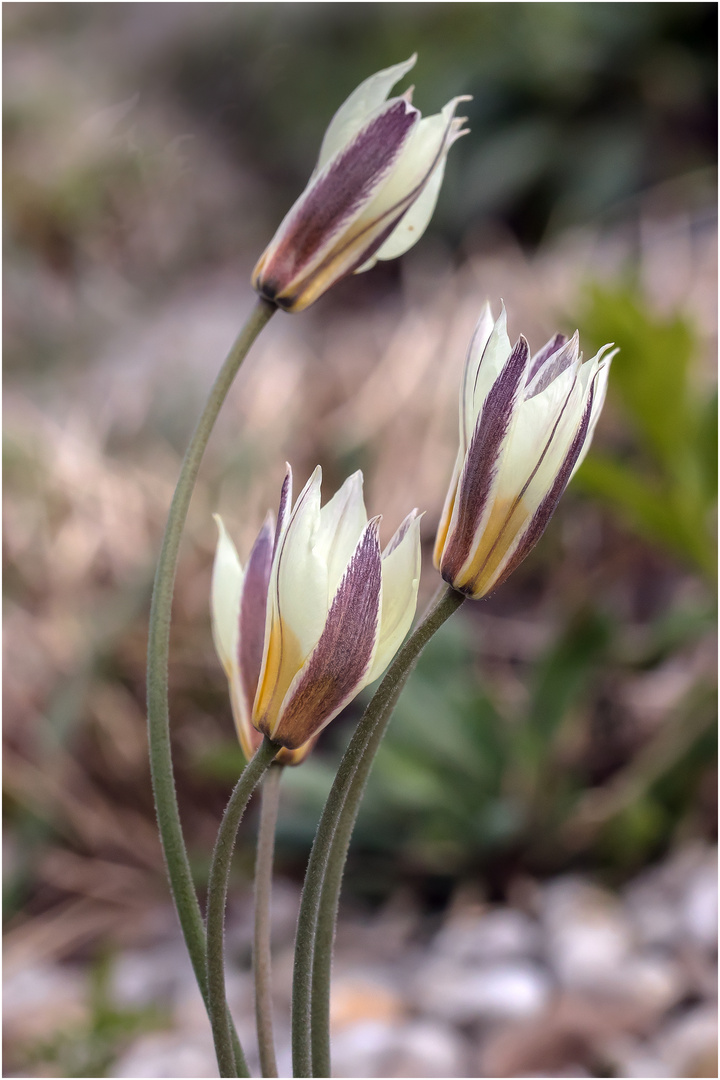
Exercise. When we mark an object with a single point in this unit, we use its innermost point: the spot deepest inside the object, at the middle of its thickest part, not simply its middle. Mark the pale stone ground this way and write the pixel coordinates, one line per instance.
(574, 980)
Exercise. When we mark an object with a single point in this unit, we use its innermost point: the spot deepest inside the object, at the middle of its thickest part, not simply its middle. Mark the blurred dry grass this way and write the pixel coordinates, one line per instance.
(129, 249)
(83, 521)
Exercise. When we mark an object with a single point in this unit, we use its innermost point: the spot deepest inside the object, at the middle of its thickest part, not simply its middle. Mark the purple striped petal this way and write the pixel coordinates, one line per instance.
(284, 507)
(336, 196)
(400, 533)
(546, 509)
(544, 354)
(253, 605)
(336, 667)
(481, 461)
(553, 366)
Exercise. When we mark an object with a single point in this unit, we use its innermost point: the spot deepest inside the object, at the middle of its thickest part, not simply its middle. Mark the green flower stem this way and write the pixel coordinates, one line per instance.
(217, 897)
(311, 1055)
(171, 837)
(262, 961)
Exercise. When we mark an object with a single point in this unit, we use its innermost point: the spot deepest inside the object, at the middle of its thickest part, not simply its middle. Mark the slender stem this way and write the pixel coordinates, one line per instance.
(176, 859)
(262, 962)
(217, 896)
(344, 825)
(310, 1050)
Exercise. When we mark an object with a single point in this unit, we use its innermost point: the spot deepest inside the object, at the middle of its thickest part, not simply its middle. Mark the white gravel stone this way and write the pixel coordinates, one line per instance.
(426, 1048)
(633, 1059)
(166, 1054)
(699, 906)
(500, 934)
(688, 1045)
(41, 999)
(140, 978)
(513, 990)
(653, 915)
(362, 1049)
(588, 936)
(654, 981)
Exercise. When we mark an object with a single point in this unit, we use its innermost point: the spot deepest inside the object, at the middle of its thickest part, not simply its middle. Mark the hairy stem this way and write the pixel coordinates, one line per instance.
(217, 897)
(311, 1050)
(171, 836)
(262, 962)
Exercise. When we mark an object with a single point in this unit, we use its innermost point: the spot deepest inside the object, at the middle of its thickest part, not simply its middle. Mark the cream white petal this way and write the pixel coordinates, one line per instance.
(564, 357)
(534, 437)
(423, 151)
(480, 338)
(342, 521)
(226, 590)
(413, 223)
(487, 366)
(356, 110)
(600, 371)
(299, 578)
(400, 580)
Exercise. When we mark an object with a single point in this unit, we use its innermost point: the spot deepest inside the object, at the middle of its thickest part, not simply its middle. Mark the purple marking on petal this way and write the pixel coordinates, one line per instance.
(285, 499)
(339, 191)
(400, 533)
(482, 459)
(344, 652)
(545, 353)
(546, 509)
(253, 605)
(553, 365)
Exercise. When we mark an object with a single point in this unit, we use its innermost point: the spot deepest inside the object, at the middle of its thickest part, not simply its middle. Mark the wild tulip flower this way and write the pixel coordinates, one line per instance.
(371, 196)
(238, 604)
(525, 426)
(318, 613)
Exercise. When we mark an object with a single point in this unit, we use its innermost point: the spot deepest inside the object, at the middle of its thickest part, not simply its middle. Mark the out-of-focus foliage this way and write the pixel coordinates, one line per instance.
(662, 475)
(463, 781)
(150, 151)
(575, 106)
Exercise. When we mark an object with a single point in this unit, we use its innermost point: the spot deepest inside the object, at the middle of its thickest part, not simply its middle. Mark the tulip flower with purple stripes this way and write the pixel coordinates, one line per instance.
(525, 426)
(371, 196)
(318, 613)
(238, 604)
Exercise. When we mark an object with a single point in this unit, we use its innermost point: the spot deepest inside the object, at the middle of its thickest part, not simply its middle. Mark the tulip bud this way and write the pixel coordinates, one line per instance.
(335, 612)
(371, 196)
(238, 603)
(526, 423)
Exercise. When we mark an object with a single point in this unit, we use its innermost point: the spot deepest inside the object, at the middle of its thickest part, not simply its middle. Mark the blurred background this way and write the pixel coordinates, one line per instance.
(532, 884)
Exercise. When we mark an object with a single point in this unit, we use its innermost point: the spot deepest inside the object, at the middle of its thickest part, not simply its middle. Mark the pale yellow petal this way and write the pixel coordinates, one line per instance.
(226, 590)
(400, 580)
(342, 521)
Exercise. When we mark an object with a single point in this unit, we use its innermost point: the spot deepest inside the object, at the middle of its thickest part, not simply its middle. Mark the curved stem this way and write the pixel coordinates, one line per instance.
(262, 960)
(311, 1055)
(217, 896)
(163, 781)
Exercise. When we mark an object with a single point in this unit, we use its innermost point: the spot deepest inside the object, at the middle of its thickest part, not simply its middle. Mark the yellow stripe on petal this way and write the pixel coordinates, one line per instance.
(283, 660)
(507, 519)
